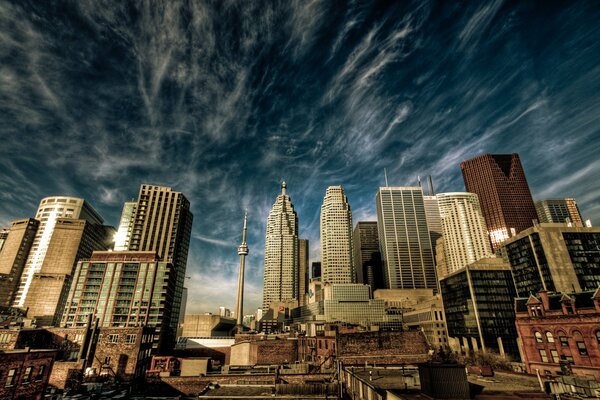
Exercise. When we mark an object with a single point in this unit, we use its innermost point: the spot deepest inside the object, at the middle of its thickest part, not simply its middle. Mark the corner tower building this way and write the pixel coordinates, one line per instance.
(336, 238)
(281, 252)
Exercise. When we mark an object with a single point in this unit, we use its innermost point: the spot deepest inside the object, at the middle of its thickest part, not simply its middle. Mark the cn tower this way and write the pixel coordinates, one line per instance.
(243, 252)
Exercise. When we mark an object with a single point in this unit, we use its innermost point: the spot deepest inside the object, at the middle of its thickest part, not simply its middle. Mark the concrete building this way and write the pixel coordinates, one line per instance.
(465, 234)
(13, 257)
(160, 221)
(303, 279)
(367, 257)
(559, 333)
(207, 325)
(3, 236)
(71, 241)
(124, 289)
(558, 211)
(428, 317)
(337, 265)
(404, 239)
(479, 308)
(499, 182)
(554, 257)
(441, 266)
(49, 211)
(25, 373)
(434, 220)
(281, 252)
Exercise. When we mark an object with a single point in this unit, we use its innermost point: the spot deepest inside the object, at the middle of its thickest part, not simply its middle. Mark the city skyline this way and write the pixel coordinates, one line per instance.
(96, 101)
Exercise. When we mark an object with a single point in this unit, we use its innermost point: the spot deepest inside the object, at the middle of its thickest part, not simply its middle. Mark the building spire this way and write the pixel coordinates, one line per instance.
(283, 187)
(242, 252)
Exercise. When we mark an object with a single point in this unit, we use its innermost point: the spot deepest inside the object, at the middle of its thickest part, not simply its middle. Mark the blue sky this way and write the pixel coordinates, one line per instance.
(224, 99)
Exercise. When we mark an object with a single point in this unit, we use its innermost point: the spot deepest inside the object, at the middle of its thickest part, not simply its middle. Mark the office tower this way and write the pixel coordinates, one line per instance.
(315, 270)
(242, 252)
(281, 252)
(224, 312)
(465, 234)
(71, 241)
(13, 256)
(160, 221)
(404, 239)
(336, 237)
(303, 270)
(558, 210)
(554, 257)
(367, 258)
(479, 306)
(434, 221)
(124, 289)
(499, 181)
(49, 211)
(441, 266)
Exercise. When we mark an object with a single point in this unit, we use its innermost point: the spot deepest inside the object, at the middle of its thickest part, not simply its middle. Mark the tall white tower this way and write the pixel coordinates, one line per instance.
(281, 252)
(465, 232)
(336, 238)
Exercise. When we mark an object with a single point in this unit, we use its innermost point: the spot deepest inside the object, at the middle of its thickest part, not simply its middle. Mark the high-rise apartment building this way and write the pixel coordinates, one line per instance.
(281, 252)
(558, 210)
(159, 221)
(465, 234)
(404, 239)
(71, 241)
(13, 256)
(499, 181)
(367, 257)
(49, 211)
(336, 238)
(303, 278)
(124, 289)
(555, 258)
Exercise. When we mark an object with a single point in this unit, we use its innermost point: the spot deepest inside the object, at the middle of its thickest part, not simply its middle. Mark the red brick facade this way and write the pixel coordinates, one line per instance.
(560, 333)
(24, 374)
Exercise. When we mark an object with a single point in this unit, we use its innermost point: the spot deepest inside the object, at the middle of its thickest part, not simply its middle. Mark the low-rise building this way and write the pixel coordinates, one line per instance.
(24, 374)
(559, 333)
(428, 316)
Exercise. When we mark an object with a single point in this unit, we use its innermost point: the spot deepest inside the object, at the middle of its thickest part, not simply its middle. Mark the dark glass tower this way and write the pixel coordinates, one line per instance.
(367, 257)
(500, 183)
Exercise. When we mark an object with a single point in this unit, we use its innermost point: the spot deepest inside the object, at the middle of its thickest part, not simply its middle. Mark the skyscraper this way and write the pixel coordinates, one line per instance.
(367, 258)
(281, 252)
(303, 279)
(13, 256)
(49, 211)
(336, 238)
(500, 183)
(434, 221)
(465, 234)
(558, 210)
(159, 221)
(404, 239)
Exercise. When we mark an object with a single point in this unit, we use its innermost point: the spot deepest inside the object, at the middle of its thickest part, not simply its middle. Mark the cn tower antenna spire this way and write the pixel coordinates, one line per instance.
(242, 252)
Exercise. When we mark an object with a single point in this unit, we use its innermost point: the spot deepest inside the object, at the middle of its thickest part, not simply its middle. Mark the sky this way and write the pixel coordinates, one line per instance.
(222, 100)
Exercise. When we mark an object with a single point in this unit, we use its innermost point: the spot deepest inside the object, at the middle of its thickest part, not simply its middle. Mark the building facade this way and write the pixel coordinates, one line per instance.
(404, 239)
(281, 252)
(337, 264)
(554, 257)
(49, 211)
(303, 270)
(25, 373)
(499, 182)
(479, 306)
(558, 211)
(465, 233)
(559, 333)
(13, 257)
(124, 289)
(428, 316)
(367, 257)
(159, 221)
(434, 220)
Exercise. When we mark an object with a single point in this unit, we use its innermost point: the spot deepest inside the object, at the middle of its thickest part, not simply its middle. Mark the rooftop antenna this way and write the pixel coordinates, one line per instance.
(385, 174)
(419, 181)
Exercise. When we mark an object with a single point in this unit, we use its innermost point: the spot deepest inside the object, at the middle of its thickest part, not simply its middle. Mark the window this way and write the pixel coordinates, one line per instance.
(564, 341)
(544, 356)
(598, 336)
(40, 373)
(27, 375)
(538, 337)
(5, 337)
(549, 337)
(555, 357)
(582, 349)
(113, 338)
(130, 338)
(10, 378)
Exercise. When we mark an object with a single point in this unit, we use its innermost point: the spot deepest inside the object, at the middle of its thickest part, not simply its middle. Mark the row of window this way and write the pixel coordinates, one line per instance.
(11, 377)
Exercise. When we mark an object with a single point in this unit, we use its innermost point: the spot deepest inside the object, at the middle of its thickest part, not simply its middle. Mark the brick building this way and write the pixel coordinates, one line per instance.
(559, 333)
(24, 374)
